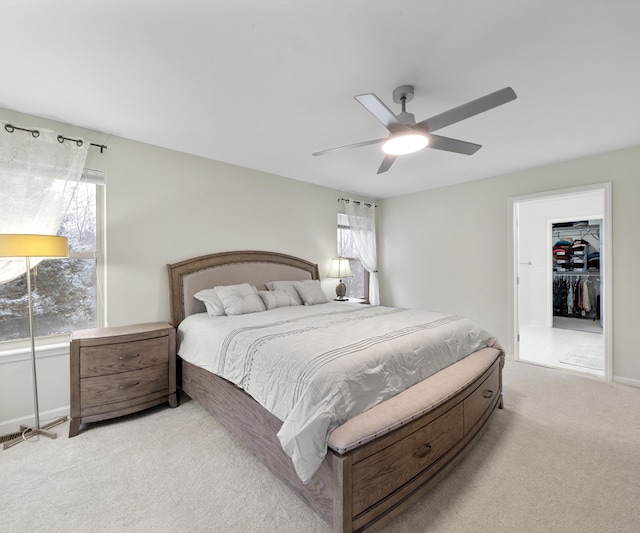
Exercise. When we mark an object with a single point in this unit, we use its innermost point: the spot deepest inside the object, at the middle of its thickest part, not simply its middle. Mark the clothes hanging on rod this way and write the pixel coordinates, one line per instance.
(574, 297)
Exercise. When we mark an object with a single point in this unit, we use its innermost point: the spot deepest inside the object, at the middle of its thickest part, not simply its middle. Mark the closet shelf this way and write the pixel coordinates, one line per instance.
(582, 231)
(576, 273)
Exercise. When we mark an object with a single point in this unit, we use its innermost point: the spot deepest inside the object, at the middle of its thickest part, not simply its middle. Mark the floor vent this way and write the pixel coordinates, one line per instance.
(10, 436)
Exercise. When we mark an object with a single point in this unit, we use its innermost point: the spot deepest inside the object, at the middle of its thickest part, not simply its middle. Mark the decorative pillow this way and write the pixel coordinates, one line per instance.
(287, 286)
(273, 299)
(211, 301)
(311, 292)
(239, 299)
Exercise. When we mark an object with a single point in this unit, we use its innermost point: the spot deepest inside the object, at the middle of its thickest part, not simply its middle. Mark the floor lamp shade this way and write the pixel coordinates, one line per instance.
(29, 245)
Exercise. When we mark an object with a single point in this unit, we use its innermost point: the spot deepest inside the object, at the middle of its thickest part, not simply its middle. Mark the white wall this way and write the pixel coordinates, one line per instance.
(162, 207)
(448, 249)
(165, 206)
(534, 253)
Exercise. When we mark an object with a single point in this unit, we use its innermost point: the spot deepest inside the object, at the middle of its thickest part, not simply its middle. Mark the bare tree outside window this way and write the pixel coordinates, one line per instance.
(64, 291)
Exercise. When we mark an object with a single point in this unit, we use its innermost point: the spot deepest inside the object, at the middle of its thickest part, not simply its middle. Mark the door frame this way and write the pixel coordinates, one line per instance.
(606, 268)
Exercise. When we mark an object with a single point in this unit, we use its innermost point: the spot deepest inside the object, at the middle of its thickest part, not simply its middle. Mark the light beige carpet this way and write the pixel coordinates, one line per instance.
(563, 456)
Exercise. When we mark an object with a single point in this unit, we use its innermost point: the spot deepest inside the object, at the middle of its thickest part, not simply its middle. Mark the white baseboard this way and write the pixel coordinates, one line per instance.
(13, 425)
(627, 381)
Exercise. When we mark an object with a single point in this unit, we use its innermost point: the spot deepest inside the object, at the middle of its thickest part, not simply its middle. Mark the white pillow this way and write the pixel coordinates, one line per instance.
(211, 301)
(273, 299)
(311, 292)
(288, 287)
(240, 299)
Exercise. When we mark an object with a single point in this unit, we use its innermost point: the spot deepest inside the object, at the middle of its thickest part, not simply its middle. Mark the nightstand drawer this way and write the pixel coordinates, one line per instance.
(123, 357)
(114, 388)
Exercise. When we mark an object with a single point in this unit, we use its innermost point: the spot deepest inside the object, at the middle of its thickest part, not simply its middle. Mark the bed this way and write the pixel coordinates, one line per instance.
(377, 462)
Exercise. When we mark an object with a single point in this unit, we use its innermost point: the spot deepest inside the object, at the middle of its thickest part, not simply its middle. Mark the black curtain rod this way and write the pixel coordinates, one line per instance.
(346, 200)
(61, 138)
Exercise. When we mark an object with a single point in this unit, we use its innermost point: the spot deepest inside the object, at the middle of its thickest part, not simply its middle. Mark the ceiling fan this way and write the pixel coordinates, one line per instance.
(406, 136)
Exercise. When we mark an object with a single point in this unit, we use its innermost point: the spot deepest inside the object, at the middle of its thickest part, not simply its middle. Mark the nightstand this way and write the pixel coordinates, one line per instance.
(120, 370)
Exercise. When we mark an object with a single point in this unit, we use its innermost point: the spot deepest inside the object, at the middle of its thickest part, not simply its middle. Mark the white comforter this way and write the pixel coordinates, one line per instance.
(314, 367)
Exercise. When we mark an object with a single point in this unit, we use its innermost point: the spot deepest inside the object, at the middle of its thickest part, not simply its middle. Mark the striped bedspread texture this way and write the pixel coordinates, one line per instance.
(314, 367)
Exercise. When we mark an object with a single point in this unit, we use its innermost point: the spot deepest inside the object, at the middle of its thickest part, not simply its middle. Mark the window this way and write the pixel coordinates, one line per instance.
(358, 285)
(66, 292)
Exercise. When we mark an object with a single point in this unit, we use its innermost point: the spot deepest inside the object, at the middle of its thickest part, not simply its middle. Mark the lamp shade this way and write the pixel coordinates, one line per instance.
(28, 245)
(340, 268)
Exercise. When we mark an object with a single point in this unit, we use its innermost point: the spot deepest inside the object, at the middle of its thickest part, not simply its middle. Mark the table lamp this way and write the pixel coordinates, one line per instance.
(340, 269)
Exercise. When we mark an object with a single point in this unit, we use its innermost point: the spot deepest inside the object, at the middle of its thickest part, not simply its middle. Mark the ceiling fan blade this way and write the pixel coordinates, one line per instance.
(467, 110)
(386, 163)
(452, 145)
(348, 146)
(378, 109)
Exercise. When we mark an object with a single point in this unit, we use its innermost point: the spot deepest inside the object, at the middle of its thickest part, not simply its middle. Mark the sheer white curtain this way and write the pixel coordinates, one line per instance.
(362, 223)
(38, 175)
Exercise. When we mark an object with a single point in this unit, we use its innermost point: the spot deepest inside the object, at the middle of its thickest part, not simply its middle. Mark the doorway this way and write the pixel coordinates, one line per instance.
(540, 335)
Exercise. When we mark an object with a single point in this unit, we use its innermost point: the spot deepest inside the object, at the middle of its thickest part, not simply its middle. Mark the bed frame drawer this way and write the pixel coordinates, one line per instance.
(379, 475)
(481, 399)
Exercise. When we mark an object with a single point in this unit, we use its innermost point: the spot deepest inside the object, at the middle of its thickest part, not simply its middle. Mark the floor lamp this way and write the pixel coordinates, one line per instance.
(15, 245)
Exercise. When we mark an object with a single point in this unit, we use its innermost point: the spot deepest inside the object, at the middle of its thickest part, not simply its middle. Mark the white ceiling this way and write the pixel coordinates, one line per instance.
(265, 83)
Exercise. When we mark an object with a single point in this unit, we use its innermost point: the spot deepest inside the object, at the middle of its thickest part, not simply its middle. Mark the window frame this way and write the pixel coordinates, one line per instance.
(98, 178)
(50, 345)
(366, 274)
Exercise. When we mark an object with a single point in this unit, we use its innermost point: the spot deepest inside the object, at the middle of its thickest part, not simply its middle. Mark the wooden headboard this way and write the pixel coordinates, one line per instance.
(188, 277)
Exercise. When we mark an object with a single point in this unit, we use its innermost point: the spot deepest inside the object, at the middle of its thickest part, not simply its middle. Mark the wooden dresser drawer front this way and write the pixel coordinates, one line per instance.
(479, 400)
(114, 388)
(392, 467)
(123, 356)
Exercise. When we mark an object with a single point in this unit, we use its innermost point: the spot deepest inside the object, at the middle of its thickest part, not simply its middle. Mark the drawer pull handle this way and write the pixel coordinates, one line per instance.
(128, 385)
(425, 450)
(488, 393)
(128, 357)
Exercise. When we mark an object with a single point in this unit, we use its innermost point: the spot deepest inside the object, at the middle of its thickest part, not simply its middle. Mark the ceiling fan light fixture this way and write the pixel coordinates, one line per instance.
(405, 143)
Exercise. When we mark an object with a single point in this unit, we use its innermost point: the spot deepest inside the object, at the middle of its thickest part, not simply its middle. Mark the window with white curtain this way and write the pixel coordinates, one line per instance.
(358, 285)
(67, 293)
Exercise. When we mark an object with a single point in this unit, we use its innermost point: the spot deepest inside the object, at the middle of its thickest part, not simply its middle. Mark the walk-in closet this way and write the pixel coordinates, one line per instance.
(576, 275)
(561, 284)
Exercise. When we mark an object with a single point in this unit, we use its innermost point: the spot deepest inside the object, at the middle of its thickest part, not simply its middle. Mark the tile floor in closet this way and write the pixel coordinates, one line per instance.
(550, 346)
